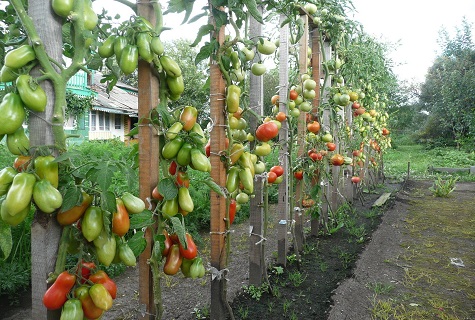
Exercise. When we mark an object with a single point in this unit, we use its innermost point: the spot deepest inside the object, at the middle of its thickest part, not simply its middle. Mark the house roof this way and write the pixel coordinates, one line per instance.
(117, 100)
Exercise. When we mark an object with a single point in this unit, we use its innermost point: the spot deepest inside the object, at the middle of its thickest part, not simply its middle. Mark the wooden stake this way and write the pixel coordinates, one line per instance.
(218, 203)
(45, 231)
(257, 266)
(283, 205)
(148, 167)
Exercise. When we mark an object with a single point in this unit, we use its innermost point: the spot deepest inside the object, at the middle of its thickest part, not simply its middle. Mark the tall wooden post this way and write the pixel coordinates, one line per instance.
(148, 165)
(326, 126)
(218, 203)
(257, 267)
(301, 133)
(283, 205)
(45, 231)
(317, 75)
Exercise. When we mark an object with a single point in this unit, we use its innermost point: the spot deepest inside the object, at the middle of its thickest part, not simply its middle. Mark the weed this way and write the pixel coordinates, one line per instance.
(296, 278)
(372, 214)
(201, 313)
(256, 292)
(270, 306)
(286, 306)
(243, 312)
(291, 258)
(380, 288)
(323, 266)
(443, 188)
(358, 232)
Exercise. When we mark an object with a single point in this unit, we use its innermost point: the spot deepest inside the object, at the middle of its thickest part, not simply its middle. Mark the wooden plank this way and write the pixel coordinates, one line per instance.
(301, 134)
(283, 204)
(218, 203)
(382, 199)
(257, 266)
(45, 231)
(317, 75)
(148, 167)
(448, 170)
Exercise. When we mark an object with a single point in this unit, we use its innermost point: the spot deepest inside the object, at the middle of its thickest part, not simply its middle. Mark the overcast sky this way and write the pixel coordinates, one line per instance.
(412, 24)
(415, 24)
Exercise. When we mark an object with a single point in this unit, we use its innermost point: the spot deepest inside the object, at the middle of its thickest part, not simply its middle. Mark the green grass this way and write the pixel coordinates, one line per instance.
(420, 159)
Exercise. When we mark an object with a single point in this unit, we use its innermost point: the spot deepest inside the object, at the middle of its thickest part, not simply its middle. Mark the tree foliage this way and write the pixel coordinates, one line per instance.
(448, 93)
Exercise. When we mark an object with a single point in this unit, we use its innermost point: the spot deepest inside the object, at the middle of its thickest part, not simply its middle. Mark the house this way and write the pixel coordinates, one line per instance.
(113, 113)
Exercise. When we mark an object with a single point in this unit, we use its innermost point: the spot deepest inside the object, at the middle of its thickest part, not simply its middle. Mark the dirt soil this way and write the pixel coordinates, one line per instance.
(375, 267)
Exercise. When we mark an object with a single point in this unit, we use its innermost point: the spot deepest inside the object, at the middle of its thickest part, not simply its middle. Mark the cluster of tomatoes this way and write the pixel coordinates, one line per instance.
(84, 292)
(29, 181)
(182, 257)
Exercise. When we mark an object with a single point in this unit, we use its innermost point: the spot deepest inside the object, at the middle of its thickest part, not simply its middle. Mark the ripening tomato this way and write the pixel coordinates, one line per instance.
(337, 159)
(355, 105)
(278, 170)
(182, 179)
(281, 116)
(313, 126)
(156, 195)
(267, 131)
(356, 153)
(331, 146)
(271, 177)
(293, 95)
(275, 100)
(355, 179)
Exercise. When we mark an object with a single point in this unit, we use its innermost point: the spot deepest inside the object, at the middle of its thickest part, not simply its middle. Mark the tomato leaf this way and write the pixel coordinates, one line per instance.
(137, 243)
(141, 220)
(214, 186)
(203, 31)
(205, 53)
(72, 197)
(252, 7)
(167, 188)
(179, 229)
(6, 242)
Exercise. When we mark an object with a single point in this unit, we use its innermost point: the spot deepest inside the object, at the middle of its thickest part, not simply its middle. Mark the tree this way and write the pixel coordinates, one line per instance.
(448, 93)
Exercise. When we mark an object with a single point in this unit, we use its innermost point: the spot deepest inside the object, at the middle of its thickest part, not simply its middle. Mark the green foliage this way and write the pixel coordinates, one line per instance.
(256, 292)
(443, 188)
(420, 158)
(448, 93)
(15, 274)
(77, 105)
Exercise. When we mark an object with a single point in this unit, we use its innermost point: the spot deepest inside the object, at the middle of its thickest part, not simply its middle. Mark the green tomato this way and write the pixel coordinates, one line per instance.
(12, 113)
(92, 223)
(258, 69)
(19, 57)
(47, 198)
(129, 59)
(31, 93)
(266, 47)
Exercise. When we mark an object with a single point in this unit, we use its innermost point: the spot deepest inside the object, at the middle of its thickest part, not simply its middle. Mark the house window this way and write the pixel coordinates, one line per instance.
(100, 121)
(118, 121)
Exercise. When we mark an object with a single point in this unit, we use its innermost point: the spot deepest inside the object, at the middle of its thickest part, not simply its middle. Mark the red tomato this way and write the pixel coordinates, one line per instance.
(232, 210)
(208, 148)
(278, 170)
(293, 95)
(313, 156)
(191, 251)
(267, 131)
(271, 177)
(355, 179)
(331, 146)
(172, 168)
(156, 195)
(298, 174)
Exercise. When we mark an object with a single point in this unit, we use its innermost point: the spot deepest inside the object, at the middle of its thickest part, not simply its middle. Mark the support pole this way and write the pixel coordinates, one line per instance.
(257, 266)
(148, 166)
(218, 203)
(283, 205)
